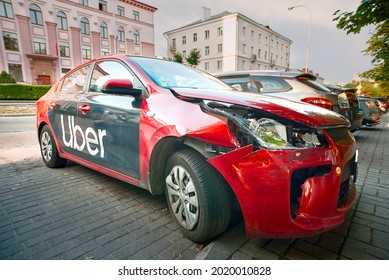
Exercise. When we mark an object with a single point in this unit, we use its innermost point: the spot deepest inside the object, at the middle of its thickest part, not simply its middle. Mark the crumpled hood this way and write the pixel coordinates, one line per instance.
(298, 111)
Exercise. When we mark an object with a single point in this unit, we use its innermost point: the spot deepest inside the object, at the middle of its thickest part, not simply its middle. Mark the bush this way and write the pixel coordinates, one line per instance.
(6, 78)
(22, 92)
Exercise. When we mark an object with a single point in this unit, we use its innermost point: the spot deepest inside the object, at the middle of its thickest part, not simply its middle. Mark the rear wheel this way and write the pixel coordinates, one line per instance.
(49, 150)
(197, 196)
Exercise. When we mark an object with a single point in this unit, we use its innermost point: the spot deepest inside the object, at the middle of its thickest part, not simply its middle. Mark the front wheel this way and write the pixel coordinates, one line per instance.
(197, 196)
(49, 150)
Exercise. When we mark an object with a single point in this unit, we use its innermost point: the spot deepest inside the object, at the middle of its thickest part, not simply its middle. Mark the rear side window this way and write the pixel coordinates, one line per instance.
(271, 84)
(313, 84)
(75, 81)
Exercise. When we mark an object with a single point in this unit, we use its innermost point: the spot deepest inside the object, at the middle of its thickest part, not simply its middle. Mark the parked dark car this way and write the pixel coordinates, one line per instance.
(353, 112)
(294, 86)
(371, 112)
(289, 167)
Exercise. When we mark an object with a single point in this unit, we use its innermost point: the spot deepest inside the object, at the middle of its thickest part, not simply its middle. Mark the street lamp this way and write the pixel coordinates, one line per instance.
(309, 33)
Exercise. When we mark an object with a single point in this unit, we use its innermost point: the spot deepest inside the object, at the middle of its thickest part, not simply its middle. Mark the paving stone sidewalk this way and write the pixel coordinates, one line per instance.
(77, 213)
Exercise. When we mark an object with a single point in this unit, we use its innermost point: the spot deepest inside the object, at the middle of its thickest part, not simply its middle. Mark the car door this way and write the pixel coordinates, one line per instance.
(62, 109)
(110, 122)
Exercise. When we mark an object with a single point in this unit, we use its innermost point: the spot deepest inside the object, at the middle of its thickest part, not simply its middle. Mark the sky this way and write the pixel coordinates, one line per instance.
(336, 56)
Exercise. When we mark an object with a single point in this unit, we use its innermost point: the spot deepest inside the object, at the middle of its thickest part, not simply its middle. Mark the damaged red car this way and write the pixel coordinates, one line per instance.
(288, 167)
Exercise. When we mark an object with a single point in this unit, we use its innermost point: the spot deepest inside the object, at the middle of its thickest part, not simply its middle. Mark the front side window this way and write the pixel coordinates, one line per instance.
(103, 30)
(75, 82)
(36, 15)
(39, 45)
(121, 36)
(109, 69)
(102, 5)
(6, 9)
(62, 21)
(10, 41)
(85, 29)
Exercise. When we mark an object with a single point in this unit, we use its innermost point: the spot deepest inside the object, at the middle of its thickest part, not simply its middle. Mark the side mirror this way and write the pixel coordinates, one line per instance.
(121, 87)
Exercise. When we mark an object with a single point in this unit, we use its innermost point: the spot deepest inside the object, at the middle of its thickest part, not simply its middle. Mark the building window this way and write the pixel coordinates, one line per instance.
(65, 70)
(85, 29)
(244, 31)
(206, 34)
(206, 51)
(83, 2)
(135, 15)
(36, 15)
(64, 50)
(104, 52)
(6, 9)
(195, 37)
(252, 34)
(10, 41)
(219, 65)
(184, 54)
(265, 55)
(243, 65)
(121, 36)
(259, 53)
(62, 21)
(184, 40)
(86, 52)
(220, 48)
(103, 5)
(244, 49)
(103, 30)
(259, 37)
(16, 71)
(206, 66)
(220, 31)
(136, 37)
(174, 43)
(121, 11)
(39, 46)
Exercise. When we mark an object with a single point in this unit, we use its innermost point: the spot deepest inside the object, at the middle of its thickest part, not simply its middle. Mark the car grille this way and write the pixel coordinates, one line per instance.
(337, 133)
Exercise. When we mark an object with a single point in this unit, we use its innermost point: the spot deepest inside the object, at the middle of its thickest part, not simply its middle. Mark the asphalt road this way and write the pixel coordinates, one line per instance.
(17, 124)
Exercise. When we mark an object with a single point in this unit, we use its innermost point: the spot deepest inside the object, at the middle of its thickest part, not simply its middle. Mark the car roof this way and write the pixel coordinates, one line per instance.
(274, 73)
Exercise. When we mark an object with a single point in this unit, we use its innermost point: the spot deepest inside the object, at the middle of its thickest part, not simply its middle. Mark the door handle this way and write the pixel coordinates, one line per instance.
(84, 108)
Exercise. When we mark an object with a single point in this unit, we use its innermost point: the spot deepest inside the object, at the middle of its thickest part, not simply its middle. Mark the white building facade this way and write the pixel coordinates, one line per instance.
(43, 39)
(231, 42)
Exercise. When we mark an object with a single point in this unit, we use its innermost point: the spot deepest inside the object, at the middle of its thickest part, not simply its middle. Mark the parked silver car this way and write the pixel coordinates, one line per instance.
(295, 86)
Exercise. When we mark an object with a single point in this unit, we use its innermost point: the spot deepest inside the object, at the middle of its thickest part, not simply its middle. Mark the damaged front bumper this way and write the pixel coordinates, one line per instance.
(292, 192)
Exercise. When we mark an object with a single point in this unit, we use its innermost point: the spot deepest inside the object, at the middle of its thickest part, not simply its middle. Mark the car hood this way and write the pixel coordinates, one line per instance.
(298, 111)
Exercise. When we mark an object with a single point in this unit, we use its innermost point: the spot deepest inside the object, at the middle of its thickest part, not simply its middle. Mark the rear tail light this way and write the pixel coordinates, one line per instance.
(321, 102)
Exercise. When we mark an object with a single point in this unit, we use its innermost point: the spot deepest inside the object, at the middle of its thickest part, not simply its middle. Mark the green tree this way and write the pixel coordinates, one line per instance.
(370, 12)
(6, 78)
(193, 58)
(177, 57)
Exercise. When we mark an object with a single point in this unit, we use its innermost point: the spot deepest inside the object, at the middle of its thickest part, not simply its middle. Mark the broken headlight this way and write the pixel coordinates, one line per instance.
(272, 134)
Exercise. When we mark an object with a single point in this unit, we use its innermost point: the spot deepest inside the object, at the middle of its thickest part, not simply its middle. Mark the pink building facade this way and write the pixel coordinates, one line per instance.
(42, 40)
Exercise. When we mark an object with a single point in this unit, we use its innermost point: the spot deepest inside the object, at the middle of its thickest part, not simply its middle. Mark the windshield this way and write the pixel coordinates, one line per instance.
(169, 74)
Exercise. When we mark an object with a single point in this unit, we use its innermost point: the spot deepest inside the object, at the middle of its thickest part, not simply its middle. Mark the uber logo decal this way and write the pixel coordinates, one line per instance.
(89, 137)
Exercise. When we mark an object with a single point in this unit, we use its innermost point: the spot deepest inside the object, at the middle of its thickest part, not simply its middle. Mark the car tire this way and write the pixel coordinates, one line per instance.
(197, 196)
(49, 150)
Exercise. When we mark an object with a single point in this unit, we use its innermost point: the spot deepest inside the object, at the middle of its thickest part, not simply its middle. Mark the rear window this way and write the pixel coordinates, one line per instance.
(258, 84)
(272, 84)
(313, 84)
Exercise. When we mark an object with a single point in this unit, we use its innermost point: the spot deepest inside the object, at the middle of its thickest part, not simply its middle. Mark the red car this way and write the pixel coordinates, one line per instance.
(289, 167)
